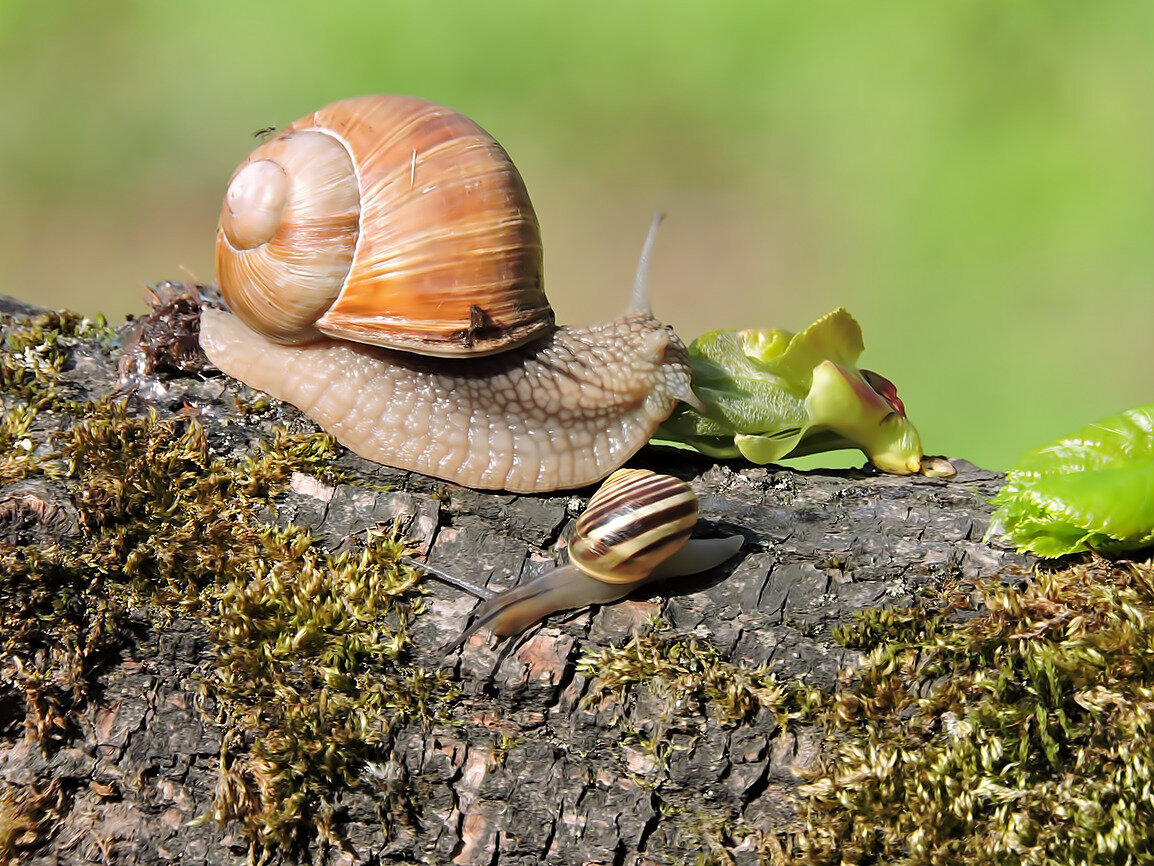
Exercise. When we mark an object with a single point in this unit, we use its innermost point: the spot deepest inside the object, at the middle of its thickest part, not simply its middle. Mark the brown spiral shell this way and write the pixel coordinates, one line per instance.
(385, 220)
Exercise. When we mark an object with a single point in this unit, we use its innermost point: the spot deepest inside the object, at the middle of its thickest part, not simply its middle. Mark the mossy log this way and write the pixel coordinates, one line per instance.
(667, 728)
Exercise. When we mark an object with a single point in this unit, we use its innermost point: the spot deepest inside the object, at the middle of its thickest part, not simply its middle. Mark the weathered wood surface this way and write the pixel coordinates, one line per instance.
(568, 788)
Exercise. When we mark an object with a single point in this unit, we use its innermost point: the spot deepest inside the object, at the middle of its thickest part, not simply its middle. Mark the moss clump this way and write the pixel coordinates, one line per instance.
(668, 689)
(310, 665)
(59, 627)
(690, 676)
(162, 510)
(310, 677)
(35, 349)
(1024, 734)
(158, 512)
(18, 457)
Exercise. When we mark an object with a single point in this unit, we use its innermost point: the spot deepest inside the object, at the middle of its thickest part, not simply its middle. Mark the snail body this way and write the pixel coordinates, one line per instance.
(382, 262)
(537, 418)
(635, 530)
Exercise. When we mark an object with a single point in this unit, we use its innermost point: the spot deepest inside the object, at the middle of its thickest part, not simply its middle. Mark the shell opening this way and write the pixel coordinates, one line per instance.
(254, 204)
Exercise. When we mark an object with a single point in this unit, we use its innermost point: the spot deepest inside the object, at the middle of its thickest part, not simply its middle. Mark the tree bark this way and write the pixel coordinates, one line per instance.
(532, 771)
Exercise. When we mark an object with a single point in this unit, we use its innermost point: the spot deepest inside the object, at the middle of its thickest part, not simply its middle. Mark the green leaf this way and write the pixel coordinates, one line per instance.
(1091, 490)
(770, 394)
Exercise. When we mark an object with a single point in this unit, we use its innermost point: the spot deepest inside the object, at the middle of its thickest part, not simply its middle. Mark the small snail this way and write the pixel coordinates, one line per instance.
(383, 263)
(635, 530)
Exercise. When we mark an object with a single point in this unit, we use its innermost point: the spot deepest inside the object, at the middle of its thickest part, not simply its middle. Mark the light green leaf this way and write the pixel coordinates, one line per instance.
(770, 394)
(1091, 490)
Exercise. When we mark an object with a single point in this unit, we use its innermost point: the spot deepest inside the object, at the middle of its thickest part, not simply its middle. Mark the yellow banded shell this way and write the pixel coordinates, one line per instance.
(635, 520)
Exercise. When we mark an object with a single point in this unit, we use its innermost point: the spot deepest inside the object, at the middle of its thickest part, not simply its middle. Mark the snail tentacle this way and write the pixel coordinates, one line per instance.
(639, 301)
(440, 574)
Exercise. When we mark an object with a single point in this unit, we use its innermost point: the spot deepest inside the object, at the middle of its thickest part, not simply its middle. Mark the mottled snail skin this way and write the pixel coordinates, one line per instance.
(398, 223)
(558, 413)
(635, 531)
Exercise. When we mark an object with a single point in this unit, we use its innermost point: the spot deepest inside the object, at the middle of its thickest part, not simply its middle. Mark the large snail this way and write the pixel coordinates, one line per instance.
(634, 531)
(390, 221)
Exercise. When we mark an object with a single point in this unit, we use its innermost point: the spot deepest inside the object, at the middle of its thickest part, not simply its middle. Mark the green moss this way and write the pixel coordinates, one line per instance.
(311, 663)
(988, 724)
(162, 510)
(59, 624)
(34, 349)
(1024, 734)
(18, 457)
(690, 676)
(311, 675)
(665, 691)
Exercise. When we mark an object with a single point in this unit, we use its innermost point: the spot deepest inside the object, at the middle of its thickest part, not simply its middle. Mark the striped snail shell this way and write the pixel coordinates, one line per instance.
(635, 530)
(635, 520)
(382, 262)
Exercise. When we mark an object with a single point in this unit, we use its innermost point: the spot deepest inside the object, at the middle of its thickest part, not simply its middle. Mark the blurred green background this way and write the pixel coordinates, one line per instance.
(974, 181)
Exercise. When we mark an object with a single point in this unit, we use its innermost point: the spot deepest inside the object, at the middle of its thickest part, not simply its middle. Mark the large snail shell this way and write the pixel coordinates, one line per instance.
(430, 243)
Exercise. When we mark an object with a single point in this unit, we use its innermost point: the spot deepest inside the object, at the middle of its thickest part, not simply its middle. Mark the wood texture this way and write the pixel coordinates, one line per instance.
(133, 782)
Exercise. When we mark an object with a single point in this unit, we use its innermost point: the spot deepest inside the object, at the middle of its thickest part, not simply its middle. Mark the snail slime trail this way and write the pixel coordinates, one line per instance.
(382, 263)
